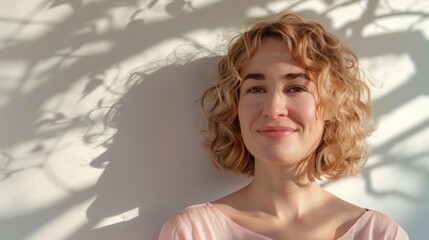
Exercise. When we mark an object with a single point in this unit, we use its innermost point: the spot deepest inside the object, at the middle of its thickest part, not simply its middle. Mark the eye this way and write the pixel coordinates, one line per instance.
(295, 89)
(256, 90)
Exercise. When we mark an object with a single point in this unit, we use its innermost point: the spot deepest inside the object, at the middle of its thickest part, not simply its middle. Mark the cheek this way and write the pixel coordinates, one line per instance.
(312, 118)
(247, 111)
(310, 110)
(304, 106)
(305, 109)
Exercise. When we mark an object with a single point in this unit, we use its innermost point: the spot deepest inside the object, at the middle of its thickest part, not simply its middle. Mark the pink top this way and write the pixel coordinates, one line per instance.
(205, 221)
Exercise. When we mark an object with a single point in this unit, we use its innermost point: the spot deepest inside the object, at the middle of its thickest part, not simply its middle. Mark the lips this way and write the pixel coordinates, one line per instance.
(276, 131)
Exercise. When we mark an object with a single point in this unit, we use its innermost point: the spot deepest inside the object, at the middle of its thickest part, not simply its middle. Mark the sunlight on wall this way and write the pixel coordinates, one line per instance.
(88, 152)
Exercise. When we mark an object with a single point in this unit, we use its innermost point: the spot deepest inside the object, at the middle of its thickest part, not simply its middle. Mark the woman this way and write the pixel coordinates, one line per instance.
(290, 107)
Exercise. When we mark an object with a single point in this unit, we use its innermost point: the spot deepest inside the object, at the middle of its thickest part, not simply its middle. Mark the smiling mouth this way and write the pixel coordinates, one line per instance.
(276, 131)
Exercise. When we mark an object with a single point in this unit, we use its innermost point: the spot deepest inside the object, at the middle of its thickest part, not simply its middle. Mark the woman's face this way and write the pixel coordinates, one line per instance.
(277, 107)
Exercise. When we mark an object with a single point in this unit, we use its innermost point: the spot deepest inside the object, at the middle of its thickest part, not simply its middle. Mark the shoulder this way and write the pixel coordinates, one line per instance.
(196, 220)
(376, 225)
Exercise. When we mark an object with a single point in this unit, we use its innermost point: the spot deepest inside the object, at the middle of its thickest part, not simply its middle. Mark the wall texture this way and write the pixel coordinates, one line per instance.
(100, 135)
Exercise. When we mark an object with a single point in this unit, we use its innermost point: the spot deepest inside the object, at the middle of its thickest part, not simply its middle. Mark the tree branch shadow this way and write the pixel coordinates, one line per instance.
(148, 167)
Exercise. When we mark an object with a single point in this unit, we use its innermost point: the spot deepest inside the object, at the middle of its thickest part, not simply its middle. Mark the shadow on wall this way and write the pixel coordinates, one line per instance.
(62, 45)
(22, 118)
(154, 163)
(184, 185)
(415, 45)
(150, 166)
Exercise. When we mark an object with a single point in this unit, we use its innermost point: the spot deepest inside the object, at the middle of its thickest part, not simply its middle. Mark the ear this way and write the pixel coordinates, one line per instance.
(323, 113)
(326, 115)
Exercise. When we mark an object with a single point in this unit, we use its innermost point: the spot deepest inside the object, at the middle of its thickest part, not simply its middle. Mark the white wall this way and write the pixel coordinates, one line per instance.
(86, 152)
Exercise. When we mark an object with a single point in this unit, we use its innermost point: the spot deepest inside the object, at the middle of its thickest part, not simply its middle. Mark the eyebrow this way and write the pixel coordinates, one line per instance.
(289, 76)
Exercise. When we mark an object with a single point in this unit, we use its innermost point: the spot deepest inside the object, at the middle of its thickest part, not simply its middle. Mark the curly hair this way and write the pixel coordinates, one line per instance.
(343, 96)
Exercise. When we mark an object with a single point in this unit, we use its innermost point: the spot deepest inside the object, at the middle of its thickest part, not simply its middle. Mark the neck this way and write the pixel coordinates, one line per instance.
(284, 193)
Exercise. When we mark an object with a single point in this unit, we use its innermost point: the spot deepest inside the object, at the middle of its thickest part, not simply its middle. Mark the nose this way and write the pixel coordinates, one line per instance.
(275, 106)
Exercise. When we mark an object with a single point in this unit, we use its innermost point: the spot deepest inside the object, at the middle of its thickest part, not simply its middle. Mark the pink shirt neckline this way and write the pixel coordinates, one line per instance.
(365, 215)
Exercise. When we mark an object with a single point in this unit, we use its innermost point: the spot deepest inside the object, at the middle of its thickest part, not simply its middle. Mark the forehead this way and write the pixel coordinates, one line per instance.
(272, 54)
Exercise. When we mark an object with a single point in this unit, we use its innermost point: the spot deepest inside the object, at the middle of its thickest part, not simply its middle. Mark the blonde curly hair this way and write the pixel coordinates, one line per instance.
(344, 97)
